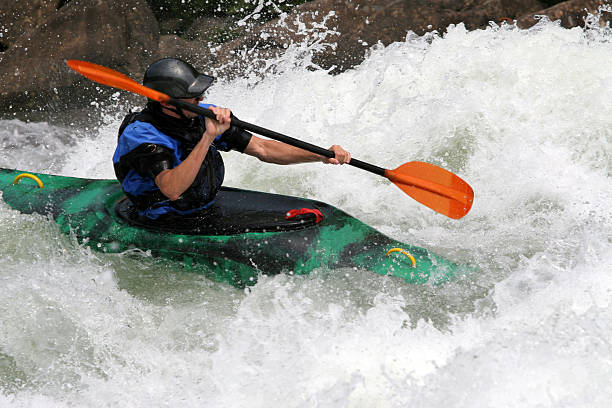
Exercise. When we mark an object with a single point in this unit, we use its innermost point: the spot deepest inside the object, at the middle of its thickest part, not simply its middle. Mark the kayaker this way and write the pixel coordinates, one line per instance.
(167, 159)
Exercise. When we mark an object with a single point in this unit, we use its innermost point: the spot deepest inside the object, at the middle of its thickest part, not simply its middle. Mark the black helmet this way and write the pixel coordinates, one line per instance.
(176, 78)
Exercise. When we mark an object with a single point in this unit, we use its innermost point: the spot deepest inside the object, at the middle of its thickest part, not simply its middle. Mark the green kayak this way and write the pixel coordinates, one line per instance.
(244, 234)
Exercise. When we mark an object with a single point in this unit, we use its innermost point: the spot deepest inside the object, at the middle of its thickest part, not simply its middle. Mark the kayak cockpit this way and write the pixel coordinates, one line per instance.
(233, 212)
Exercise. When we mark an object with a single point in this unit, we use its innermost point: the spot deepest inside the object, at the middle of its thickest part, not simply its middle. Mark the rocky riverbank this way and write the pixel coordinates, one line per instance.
(39, 35)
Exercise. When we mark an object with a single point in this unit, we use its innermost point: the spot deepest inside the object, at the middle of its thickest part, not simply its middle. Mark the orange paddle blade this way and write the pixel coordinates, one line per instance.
(430, 185)
(107, 76)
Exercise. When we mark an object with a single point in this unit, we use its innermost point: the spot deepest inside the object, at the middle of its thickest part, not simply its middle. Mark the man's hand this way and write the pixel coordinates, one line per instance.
(223, 122)
(341, 156)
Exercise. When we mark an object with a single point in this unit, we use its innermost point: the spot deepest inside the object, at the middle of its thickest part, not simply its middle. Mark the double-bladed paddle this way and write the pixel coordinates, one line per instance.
(438, 189)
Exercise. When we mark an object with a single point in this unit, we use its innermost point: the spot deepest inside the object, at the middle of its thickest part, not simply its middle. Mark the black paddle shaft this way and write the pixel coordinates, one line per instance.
(278, 136)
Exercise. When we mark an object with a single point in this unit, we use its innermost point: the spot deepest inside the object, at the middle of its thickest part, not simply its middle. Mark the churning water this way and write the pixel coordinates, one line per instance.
(525, 116)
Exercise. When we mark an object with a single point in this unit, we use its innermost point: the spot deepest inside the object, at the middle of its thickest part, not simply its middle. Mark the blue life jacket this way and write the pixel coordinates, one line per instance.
(150, 141)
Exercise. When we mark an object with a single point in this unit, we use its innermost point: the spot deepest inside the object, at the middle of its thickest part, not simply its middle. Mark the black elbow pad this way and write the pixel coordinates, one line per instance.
(148, 160)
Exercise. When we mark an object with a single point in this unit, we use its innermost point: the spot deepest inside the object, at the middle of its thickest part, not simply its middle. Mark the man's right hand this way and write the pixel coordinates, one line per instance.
(217, 127)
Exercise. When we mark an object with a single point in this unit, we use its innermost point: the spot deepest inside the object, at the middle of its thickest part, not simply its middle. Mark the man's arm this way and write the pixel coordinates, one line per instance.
(272, 151)
(174, 182)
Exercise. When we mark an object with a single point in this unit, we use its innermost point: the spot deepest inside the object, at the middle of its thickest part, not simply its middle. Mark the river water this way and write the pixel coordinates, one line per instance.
(525, 116)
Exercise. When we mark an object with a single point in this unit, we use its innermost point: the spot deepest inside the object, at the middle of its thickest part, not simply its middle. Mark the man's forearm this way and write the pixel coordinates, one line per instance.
(271, 151)
(174, 182)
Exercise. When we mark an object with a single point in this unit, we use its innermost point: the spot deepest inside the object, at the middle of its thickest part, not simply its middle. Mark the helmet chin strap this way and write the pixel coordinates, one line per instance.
(157, 107)
(176, 110)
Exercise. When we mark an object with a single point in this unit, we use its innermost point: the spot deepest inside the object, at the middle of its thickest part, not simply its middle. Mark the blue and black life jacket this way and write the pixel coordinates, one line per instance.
(150, 142)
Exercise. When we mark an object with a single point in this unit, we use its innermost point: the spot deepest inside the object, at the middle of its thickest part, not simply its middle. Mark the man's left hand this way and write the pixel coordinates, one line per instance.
(341, 156)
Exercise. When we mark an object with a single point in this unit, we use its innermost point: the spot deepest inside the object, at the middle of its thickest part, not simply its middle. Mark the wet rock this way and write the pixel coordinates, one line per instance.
(19, 18)
(118, 33)
(570, 13)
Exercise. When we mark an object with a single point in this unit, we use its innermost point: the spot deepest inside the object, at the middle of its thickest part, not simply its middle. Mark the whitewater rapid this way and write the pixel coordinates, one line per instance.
(525, 116)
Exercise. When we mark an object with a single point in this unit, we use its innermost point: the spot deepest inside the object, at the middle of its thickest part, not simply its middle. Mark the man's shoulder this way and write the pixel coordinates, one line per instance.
(139, 132)
(139, 126)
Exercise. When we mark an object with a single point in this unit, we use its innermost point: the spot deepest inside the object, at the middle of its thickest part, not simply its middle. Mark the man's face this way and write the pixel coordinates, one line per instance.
(189, 114)
(193, 101)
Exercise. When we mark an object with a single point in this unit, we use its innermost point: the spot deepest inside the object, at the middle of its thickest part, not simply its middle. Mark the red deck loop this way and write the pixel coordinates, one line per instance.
(293, 213)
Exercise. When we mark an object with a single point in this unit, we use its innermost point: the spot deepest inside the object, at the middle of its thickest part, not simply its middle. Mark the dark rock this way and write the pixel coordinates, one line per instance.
(212, 30)
(196, 53)
(170, 26)
(19, 18)
(570, 13)
(199, 44)
(479, 14)
(118, 33)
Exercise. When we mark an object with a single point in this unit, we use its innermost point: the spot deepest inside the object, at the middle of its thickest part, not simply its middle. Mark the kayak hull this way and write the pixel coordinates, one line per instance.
(87, 209)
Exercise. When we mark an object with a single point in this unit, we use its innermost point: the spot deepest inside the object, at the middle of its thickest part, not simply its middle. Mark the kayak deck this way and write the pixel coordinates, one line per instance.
(234, 211)
(229, 246)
